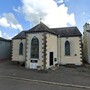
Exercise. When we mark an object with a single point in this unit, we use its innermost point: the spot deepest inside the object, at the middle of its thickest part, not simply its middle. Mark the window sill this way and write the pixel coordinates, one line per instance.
(34, 58)
(20, 55)
(67, 55)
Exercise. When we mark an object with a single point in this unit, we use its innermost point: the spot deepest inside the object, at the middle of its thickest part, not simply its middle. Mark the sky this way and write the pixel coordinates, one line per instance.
(19, 15)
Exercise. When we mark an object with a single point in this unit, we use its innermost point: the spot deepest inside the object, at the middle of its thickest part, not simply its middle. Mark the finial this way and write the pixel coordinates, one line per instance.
(40, 20)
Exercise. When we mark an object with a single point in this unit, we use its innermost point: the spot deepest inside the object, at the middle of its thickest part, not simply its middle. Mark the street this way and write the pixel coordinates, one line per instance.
(15, 77)
(12, 84)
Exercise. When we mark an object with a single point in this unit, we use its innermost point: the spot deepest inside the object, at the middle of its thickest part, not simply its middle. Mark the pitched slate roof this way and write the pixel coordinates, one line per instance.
(3, 39)
(67, 31)
(21, 35)
(41, 28)
(62, 32)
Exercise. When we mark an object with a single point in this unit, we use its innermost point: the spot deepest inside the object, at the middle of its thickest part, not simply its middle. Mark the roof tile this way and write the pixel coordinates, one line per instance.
(21, 35)
(62, 32)
(67, 31)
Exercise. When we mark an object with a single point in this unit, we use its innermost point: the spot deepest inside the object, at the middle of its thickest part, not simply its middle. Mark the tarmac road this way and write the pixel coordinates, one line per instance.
(12, 84)
(73, 76)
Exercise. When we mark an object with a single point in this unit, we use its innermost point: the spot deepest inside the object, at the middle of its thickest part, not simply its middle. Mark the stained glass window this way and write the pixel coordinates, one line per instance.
(21, 49)
(35, 48)
(67, 48)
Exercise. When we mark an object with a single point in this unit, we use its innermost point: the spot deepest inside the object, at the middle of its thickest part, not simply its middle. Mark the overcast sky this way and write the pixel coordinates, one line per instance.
(18, 15)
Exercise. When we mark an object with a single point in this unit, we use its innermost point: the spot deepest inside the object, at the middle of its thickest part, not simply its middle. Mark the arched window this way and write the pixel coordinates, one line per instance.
(67, 48)
(35, 48)
(21, 49)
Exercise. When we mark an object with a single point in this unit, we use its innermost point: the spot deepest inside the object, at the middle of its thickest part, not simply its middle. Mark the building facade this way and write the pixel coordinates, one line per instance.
(86, 42)
(5, 49)
(45, 47)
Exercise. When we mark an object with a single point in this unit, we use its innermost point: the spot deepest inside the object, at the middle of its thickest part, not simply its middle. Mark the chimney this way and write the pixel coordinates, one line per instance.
(86, 27)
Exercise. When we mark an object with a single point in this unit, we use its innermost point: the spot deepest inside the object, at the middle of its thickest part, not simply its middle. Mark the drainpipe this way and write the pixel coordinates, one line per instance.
(57, 50)
(25, 49)
(60, 49)
(59, 43)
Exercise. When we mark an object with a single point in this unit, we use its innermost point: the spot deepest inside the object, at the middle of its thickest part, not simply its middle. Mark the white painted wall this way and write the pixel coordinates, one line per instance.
(54, 44)
(74, 49)
(51, 47)
(28, 49)
(15, 50)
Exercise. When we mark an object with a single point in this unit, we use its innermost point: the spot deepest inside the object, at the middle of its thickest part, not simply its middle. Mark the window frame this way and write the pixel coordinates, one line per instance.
(67, 48)
(21, 48)
(34, 48)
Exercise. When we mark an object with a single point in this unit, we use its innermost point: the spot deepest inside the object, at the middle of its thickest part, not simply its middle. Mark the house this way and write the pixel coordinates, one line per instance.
(86, 42)
(45, 47)
(5, 49)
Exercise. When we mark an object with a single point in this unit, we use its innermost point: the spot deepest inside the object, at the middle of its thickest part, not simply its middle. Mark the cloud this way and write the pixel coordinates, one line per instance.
(5, 35)
(18, 10)
(8, 20)
(83, 13)
(51, 14)
(3, 22)
(0, 34)
(59, 1)
(67, 0)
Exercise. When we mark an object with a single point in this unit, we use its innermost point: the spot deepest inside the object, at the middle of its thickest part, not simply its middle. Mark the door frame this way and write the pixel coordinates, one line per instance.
(51, 58)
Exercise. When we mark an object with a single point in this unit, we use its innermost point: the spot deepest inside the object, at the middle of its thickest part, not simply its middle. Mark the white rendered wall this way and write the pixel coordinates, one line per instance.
(75, 57)
(15, 50)
(51, 47)
(28, 49)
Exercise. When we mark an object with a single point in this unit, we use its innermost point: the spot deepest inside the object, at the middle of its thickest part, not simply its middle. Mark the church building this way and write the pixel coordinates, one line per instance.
(43, 47)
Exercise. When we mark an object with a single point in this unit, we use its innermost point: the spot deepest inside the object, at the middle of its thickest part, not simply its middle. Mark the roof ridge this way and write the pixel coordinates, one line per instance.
(41, 27)
(65, 27)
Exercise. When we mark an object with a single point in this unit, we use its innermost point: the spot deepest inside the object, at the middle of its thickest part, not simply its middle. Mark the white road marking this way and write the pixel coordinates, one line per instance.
(46, 82)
